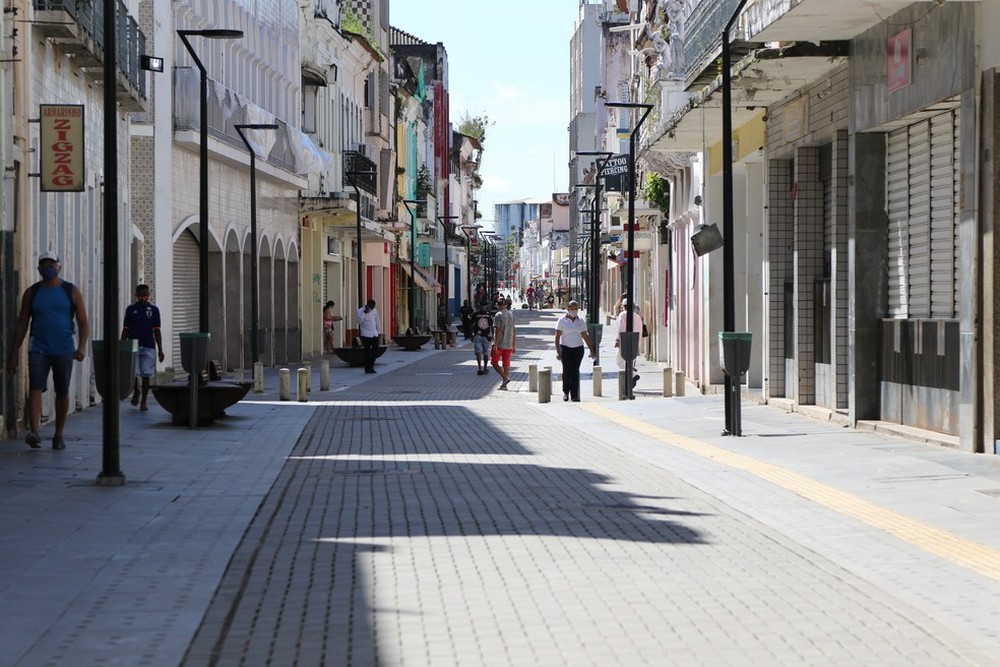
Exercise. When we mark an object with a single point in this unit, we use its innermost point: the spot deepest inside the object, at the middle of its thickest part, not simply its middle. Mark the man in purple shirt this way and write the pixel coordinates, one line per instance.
(142, 323)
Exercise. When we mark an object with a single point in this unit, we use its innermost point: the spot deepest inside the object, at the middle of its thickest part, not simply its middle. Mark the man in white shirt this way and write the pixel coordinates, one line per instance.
(622, 328)
(369, 329)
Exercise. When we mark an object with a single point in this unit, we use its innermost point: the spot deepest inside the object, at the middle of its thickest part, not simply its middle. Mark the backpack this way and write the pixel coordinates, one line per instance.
(67, 287)
(482, 325)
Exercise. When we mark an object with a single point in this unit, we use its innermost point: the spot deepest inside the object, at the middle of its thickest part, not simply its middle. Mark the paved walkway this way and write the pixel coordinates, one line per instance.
(420, 517)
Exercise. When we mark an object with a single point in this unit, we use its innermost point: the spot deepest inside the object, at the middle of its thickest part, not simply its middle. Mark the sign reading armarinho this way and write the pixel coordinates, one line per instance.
(61, 150)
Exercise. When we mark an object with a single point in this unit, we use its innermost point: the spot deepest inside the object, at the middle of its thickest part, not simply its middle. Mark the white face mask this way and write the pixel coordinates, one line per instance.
(572, 314)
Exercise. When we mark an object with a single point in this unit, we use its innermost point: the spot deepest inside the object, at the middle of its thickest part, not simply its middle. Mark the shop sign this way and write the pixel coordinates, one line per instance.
(61, 149)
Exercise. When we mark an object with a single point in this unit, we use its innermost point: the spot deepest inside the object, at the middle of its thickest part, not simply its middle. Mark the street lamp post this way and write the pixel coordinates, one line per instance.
(594, 303)
(469, 231)
(630, 267)
(203, 164)
(443, 219)
(254, 287)
(732, 403)
(411, 206)
(352, 176)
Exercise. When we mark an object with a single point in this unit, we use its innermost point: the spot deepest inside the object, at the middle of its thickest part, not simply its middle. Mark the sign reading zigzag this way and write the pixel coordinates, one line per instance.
(61, 148)
(615, 173)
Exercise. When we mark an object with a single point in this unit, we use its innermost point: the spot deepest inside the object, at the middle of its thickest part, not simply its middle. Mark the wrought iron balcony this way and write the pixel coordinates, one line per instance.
(76, 28)
(359, 169)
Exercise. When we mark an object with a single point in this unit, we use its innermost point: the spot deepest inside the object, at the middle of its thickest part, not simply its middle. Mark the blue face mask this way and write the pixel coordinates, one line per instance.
(49, 271)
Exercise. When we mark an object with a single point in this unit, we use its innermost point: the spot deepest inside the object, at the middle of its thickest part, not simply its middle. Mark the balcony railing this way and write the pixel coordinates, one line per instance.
(359, 169)
(226, 109)
(83, 37)
(702, 34)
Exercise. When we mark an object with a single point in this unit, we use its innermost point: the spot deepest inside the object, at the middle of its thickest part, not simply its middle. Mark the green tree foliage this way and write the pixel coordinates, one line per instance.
(657, 192)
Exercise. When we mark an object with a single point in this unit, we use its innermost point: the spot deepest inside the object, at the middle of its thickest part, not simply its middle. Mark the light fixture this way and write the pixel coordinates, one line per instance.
(151, 63)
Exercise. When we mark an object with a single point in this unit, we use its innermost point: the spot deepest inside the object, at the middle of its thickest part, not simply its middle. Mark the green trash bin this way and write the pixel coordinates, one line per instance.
(128, 350)
(194, 351)
(734, 352)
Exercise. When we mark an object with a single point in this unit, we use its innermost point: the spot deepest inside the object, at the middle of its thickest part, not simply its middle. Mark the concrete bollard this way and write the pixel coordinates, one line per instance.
(598, 380)
(302, 393)
(258, 377)
(324, 375)
(284, 384)
(545, 385)
(668, 382)
(679, 383)
(533, 377)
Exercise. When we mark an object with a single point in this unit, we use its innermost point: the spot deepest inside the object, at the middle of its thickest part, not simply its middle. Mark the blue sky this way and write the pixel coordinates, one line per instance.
(510, 61)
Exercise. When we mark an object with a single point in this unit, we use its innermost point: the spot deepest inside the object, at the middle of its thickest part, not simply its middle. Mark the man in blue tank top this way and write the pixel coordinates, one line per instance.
(49, 307)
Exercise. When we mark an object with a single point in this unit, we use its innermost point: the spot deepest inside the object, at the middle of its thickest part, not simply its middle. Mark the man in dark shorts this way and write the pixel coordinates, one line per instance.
(49, 308)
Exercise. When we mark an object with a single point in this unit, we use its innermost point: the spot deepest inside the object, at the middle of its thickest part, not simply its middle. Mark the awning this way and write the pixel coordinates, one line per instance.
(424, 279)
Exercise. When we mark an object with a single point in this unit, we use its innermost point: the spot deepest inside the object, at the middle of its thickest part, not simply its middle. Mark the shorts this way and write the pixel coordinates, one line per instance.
(499, 354)
(39, 365)
(481, 345)
(145, 362)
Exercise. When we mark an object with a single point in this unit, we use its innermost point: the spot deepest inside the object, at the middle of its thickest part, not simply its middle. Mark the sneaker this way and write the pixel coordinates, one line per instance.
(33, 439)
(135, 399)
(565, 397)
(57, 442)
(503, 385)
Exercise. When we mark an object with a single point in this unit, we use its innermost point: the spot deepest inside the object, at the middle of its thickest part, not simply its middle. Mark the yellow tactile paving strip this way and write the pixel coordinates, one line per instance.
(966, 553)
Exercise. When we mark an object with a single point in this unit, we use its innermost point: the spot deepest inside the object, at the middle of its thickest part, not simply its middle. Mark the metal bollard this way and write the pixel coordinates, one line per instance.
(622, 391)
(533, 377)
(284, 384)
(545, 385)
(598, 380)
(302, 393)
(324, 375)
(679, 383)
(668, 382)
(258, 377)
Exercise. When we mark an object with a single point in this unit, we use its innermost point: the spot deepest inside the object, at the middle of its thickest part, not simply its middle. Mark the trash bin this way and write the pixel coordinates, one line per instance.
(596, 332)
(734, 352)
(629, 344)
(127, 352)
(194, 351)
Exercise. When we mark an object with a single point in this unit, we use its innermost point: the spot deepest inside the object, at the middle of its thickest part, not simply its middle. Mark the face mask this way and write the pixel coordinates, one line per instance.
(572, 314)
(48, 272)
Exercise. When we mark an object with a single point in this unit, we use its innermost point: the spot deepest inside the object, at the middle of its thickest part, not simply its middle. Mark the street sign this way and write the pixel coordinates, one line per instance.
(615, 173)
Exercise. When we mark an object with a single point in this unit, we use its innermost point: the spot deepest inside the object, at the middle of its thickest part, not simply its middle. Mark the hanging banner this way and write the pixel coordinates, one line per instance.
(61, 147)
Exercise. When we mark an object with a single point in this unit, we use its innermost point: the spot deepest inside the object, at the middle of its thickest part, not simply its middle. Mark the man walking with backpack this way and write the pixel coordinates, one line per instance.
(49, 308)
(482, 336)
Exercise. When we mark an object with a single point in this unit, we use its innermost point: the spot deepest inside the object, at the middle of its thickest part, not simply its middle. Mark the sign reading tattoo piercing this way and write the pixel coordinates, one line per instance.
(61, 149)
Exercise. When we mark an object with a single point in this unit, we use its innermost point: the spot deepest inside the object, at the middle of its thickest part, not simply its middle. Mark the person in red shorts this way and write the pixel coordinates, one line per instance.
(504, 341)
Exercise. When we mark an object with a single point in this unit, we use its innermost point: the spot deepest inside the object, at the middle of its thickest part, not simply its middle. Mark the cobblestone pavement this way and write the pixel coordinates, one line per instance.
(425, 518)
